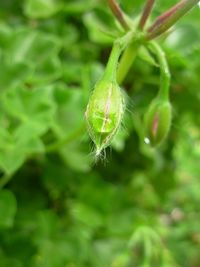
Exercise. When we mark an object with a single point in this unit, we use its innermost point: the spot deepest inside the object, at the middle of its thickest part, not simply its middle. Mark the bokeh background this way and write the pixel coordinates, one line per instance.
(137, 206)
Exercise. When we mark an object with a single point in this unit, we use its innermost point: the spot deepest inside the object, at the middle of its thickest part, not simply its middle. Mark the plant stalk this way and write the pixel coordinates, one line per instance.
(126, 61)
(165, 73)
(118, 13)
(128, 43)
(111, 67)
(146, 13)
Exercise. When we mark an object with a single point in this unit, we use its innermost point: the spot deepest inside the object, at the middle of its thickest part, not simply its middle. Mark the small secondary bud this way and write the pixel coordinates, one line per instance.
(104, 113)
(157, 121)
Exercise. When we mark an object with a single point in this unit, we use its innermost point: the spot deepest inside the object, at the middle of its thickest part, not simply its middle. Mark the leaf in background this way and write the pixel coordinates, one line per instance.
(8, 209)
(41, 9)
(5, 34)
(75, 7)
(69, 124)
(98, 32)
(16, 147)
(11, 156)
(32, 45)
(77, 156)
(33, 107)
(188, 137)
(27, 140)
(184, 39)
(84, 214)
(70, 113)
(37, 51)
(13, 75)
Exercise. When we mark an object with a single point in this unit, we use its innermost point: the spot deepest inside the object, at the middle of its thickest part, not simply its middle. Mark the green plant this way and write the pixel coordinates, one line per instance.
(100, 112)
(58, 207)
(106, 106)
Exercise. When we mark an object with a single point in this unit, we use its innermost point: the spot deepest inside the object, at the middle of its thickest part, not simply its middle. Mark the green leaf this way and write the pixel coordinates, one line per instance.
(34, 107)
(78, 6)
(30, 45)
(77, 156)
(11, 156)
(27, 139)
(38, 9)
(85, 214)
(70, 112)
(16, 147)
(14, 75)
(5, 34)
(8, 208)
(97, 30)
(36, 50)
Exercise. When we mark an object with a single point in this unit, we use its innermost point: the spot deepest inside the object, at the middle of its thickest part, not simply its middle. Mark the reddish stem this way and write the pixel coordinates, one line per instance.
(118, 13)
(146, 13)
(170, 17)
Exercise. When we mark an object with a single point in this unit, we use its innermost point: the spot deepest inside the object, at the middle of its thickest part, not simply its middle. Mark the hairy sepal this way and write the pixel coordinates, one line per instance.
(104, 113)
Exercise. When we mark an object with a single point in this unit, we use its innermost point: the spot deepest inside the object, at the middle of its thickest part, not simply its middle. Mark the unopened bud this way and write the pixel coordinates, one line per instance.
(104, 113)
(157, 121)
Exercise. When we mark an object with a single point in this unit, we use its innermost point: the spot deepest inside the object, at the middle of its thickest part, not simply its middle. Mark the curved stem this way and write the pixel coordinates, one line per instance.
(114, 71)
(68, 139)
(129, 55)
(165, 73)
(111, 67)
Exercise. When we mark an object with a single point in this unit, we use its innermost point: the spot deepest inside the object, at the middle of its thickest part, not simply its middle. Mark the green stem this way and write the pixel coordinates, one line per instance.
(110, 71)
(65, 141)
(126, 61)
(165, 73)
(119, 45)
(5, 179)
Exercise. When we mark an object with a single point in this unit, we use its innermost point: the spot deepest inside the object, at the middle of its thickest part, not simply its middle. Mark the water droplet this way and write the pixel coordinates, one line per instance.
(146, 140)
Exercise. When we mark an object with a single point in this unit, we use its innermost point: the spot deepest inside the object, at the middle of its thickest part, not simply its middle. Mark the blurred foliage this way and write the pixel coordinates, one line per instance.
(140, 206)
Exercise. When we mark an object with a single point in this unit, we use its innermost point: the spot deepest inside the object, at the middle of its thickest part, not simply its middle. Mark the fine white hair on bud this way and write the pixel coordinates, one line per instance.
(104, 113)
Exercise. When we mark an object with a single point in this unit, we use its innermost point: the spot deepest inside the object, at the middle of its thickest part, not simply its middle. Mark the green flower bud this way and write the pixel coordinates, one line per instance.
(157, 121)
(104, 113)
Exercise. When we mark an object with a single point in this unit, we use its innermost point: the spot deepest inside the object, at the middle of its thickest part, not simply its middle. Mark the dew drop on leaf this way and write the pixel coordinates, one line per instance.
(146, 140)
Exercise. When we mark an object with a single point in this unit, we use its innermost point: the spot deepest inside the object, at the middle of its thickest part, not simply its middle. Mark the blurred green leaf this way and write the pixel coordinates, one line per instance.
(98, 31)
(34, 108)
(8, 208)
(41, 8)
(86, 215)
